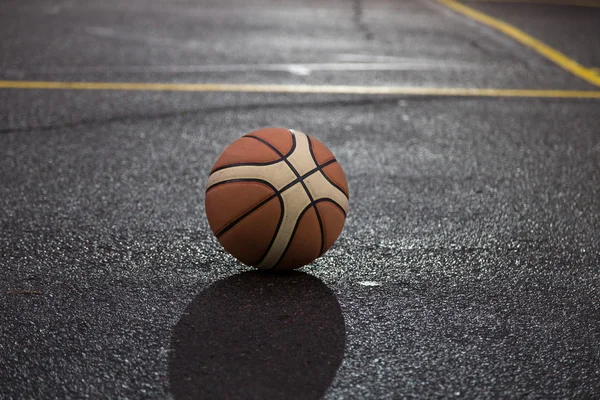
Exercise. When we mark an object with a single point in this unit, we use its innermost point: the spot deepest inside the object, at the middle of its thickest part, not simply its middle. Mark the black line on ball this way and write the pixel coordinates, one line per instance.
(253, 164)
(312, 154)
(281, 156)
(334, 184)
(256, 207)
(289, 153)
(289, 243)
(282, 204)
(308, 207)
(289, 164)
(335, 203)
(244, 215)
(276, 150)
(328, 200)
(319, 219)
(234, 180)
(306, 175)
(272, 147)
(310, 151)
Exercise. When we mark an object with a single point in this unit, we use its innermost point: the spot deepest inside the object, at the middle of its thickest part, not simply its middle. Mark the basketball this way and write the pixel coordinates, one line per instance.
(276, 199)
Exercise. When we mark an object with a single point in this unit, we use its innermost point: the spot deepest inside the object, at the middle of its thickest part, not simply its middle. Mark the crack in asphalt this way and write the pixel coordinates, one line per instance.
(359, 19)
(185, 113)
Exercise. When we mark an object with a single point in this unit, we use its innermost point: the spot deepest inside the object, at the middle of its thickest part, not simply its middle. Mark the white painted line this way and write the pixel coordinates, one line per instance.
(297, 69)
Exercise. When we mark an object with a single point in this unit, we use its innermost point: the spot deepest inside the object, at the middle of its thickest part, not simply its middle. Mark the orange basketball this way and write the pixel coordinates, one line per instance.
(276, 199)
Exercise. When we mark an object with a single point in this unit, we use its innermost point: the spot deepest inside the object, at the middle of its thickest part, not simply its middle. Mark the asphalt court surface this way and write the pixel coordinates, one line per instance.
(468, 266)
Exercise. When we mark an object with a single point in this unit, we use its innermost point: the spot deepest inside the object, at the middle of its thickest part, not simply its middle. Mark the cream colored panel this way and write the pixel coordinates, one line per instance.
(278, 174)
(321, 188)
(295, 201)
(300, 157)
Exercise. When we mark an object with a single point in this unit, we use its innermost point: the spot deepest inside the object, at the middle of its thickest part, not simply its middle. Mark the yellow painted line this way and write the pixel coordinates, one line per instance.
(577, 3)
(315, 89)
(548, 52)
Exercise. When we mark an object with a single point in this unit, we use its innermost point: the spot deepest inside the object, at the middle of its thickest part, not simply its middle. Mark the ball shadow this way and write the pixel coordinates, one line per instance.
(257, 335)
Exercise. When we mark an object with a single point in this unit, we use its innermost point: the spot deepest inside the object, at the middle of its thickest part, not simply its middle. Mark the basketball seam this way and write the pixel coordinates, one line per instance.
(238, 219)
(334, 184)
(289, 243)
(234, 220)
(336, 205)
(253, 164)
(244, 215)
(234, 180)
(323, 173)
(255, 208)
(308, 207)
(312, 155)
(282, 203)
(248, 164)
(312, 202)
(272, 147)
(306, 175)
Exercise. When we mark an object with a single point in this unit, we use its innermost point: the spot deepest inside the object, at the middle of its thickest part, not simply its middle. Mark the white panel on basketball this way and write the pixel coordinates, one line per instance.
(295, 201)
(278, 174)
(301, 158)
(321, 188)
